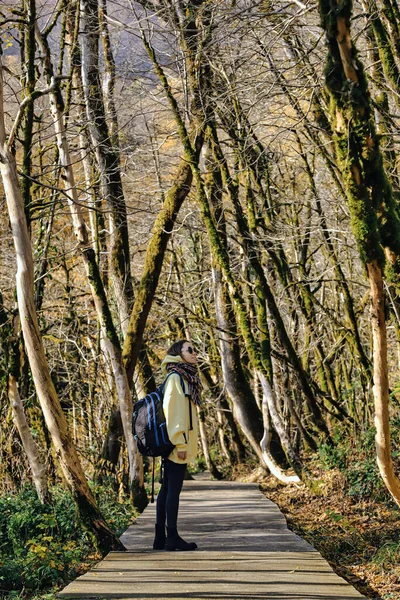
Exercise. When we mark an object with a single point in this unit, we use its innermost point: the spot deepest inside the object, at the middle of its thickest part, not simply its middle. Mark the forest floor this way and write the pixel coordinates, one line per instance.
(360, 539)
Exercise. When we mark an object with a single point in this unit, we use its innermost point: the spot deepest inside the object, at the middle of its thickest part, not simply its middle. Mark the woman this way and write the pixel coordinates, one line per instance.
(182, 426)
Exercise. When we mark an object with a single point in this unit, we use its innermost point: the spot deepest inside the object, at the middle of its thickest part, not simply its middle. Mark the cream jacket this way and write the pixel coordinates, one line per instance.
(176, 409)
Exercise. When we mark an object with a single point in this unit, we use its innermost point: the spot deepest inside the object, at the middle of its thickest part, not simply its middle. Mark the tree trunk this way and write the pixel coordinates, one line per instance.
(107, 158)
(28, 86)
(204, 443)
(221, 433)
(154, 260)
(260, 360)
(246, 410)
(192, 142)
(265, 444)
(381, 381)
(374, 214)
(270, 405)
(38, 467)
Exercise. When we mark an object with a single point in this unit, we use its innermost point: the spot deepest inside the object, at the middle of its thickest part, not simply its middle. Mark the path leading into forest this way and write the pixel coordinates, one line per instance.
(245, 552)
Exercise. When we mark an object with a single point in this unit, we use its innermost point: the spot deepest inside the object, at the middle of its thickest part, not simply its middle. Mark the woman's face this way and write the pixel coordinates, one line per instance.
(188, 353)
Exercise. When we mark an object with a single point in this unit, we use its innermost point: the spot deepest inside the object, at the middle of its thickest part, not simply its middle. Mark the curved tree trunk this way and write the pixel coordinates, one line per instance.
(245, 407)
(38, 467)
(153, 263)
(265, 444)
(193, 46)
(263, 290)
(269, 405)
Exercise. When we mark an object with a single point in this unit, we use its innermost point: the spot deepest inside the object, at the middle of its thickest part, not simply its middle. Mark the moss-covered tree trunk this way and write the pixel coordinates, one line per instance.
(386, 51)
(28, 81)
(153, 263)
(374, 216)
(192, 143)
(109, 78)
(252, 158)
(264, 296)
(107, 157)
(245, 408)
(269, 408)
(232, 447)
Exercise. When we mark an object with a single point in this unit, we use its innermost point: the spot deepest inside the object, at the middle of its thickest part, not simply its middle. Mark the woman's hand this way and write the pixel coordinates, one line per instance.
(182, 454)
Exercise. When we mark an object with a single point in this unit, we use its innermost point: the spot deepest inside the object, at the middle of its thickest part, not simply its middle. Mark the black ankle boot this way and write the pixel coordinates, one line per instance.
(159, 539)
(175, 542)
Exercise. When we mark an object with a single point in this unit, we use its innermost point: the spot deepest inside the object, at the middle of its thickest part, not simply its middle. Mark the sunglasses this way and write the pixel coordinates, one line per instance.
(190, 350)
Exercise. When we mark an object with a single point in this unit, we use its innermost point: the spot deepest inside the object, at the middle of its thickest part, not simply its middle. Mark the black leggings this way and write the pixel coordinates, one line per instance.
(168, 496)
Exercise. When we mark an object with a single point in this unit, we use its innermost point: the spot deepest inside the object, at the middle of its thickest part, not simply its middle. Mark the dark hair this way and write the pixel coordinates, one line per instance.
(176, 348)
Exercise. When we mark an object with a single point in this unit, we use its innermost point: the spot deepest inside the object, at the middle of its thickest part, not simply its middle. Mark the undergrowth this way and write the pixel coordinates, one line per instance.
(45, 546)
(355, 457)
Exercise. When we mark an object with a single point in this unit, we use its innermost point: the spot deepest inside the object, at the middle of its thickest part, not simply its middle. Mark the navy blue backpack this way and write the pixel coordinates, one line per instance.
(149, 426)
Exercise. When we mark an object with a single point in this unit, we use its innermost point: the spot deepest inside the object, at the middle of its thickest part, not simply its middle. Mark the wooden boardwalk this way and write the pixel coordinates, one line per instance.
(245, 552)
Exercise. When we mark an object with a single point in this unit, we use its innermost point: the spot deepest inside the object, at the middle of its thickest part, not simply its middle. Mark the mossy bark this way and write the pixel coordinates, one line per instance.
(391, 13)
(107, 156)
(154, 260)
(248, 158)
(374, 216)
(28, 82)
(108, 78)
(387, 53)
(192, 141)
(253, 254)
(245, 406)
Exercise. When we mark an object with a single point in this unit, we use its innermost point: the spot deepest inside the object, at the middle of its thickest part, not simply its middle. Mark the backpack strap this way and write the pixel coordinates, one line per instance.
(186, 395)
(190, 412)
(181, 379)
